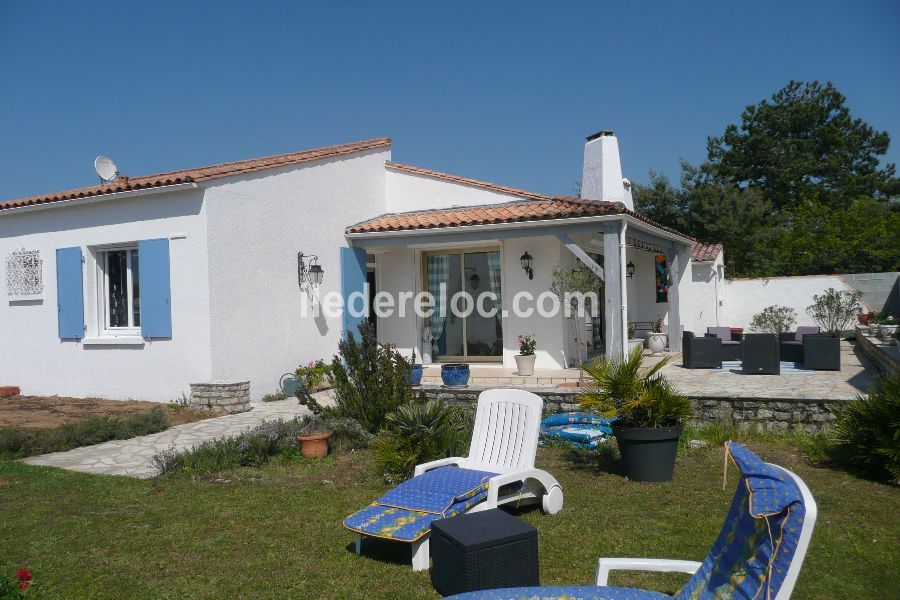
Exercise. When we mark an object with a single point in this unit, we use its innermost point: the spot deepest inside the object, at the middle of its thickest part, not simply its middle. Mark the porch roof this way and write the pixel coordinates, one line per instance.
(518, 211)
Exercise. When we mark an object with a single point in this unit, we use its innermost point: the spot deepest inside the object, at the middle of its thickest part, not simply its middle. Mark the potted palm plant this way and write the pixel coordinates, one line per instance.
(648, 409)
(525, 357)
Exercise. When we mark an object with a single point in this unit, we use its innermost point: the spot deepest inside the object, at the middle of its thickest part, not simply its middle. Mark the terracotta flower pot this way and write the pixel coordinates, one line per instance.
(315, 445)
(9, 390)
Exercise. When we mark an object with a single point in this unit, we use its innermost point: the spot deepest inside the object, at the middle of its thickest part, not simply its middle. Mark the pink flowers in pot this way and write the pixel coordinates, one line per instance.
(526, 344)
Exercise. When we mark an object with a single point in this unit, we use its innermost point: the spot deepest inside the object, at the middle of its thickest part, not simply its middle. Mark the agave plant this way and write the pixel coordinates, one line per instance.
(618, 388)
(867, 430)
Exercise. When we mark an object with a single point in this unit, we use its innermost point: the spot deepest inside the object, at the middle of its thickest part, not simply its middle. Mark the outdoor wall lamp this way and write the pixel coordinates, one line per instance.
(527, 263)
(629, 269)
(309, 275)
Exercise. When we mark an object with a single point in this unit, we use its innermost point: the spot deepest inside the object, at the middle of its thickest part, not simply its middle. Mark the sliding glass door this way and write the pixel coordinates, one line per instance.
(478, 335)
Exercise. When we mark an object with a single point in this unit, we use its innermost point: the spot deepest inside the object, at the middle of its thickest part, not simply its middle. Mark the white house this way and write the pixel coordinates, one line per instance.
(139, 286)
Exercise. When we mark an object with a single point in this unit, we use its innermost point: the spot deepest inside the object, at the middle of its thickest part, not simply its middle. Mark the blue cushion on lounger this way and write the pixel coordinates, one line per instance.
(569, 592)
(405, 513)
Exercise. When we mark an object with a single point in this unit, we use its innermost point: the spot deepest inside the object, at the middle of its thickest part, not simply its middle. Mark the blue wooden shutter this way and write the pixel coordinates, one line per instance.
(353, 279)
(156, 297)
(70, 293)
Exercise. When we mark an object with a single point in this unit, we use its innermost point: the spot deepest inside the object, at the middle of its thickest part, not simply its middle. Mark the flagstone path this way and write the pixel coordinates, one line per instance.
(134, 457)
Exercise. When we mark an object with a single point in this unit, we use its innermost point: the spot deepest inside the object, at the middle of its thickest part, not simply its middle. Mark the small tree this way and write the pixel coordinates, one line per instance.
(774, 319)
(573, 286)
(833, 311)
(370, 380)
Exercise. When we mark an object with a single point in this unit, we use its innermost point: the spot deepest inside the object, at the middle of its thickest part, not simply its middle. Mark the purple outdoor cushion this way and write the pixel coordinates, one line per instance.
(723, 333)
(806, 330)
(731, 342)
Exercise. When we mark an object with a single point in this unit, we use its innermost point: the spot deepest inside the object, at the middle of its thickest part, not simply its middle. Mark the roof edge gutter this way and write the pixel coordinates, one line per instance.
(175, 187)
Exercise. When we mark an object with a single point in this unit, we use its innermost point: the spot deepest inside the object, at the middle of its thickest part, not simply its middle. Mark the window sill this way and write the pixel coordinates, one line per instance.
(122, 340)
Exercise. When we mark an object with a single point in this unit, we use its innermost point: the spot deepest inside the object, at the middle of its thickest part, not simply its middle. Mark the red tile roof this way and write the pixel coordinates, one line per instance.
(559, 207)
(705, 251)
(502, 189)
(199, 174)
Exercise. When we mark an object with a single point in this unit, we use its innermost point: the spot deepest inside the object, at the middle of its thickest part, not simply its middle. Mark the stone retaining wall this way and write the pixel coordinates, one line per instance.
(230, 396)
(885, 358)
(768, 414)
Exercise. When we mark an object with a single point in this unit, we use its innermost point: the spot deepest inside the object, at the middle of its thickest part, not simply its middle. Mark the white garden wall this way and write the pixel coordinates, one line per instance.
(33, 356)
(746, 297)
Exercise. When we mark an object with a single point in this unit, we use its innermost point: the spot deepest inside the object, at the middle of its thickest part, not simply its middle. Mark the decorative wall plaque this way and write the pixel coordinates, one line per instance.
(24, 274)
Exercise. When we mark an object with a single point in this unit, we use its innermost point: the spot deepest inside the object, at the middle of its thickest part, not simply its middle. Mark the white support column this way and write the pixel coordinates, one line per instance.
(615, 311)
(674, 262)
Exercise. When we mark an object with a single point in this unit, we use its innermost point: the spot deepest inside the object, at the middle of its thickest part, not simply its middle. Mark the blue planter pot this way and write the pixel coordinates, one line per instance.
(417, 374)
(455, 374)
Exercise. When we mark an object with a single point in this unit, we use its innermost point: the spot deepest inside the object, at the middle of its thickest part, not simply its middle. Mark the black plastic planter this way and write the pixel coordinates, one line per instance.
(648, 454)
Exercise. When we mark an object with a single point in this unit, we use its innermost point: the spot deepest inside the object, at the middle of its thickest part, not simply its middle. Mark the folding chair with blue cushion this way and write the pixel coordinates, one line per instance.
(499, 470)
(758, 553)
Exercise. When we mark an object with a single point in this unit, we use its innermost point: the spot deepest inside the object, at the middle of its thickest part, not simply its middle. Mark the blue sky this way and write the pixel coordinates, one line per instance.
(496, 91)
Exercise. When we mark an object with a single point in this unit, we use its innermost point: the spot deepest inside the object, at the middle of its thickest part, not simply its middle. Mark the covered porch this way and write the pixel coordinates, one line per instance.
(640, 268)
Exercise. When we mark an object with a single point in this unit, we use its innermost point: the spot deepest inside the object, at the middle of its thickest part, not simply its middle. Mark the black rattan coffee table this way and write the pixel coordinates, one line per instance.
(482, 551)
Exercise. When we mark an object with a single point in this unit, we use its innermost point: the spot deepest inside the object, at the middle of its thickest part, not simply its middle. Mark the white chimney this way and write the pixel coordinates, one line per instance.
(602, 176)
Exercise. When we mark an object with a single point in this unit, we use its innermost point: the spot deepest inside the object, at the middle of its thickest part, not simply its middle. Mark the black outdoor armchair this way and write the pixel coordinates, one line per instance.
(760, 354)
(791, 343)
(731, 349)
(700, 352)
(822, 352)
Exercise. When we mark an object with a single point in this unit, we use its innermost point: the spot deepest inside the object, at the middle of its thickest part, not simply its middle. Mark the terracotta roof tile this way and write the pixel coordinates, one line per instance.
(705, 251)
(559, 207)
(199, 174)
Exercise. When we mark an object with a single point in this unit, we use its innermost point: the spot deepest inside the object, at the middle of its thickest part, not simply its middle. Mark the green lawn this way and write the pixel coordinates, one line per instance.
(276, 531)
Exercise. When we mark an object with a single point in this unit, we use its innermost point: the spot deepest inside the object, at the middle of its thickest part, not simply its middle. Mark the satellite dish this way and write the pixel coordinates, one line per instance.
(105, 168)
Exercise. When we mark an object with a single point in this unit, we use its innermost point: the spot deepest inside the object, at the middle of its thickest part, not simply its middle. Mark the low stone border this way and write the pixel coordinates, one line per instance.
(768, 414)
(230, 396)
(885, 358)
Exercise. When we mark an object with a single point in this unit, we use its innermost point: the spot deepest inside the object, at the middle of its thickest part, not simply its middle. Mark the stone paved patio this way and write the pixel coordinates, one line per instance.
(855, 377)
(133, 457)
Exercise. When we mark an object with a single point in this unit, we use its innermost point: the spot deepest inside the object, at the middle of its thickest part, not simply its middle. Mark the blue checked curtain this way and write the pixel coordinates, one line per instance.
(494, 276)
(438, 268)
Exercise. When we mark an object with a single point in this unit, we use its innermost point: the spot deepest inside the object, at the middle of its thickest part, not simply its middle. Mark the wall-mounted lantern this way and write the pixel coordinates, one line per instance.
(309, 276)
(629, 269)
(527, 264)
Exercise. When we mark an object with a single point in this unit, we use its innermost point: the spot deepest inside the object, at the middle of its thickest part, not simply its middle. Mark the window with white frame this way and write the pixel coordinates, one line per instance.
(120, 293)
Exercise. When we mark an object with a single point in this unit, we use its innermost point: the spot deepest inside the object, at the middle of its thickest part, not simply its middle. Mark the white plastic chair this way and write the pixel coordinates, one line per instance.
(605, 565)
(504, 441)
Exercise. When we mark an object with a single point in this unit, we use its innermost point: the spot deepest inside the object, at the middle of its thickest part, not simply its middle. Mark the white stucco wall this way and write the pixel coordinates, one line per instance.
(746, 297)
(553, 344)
(704, 306)
(33, 356)
(642, 304)
(257, 225)
(409, 191)
(399, 268)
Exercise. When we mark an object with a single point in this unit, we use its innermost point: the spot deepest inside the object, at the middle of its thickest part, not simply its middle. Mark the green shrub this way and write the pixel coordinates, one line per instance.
(274, 397)
(867, 430)
(259, 445)
(420, 432)
(774, 319)
(96, 430)
(314, 374)
(369, 380)
(619, 389)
